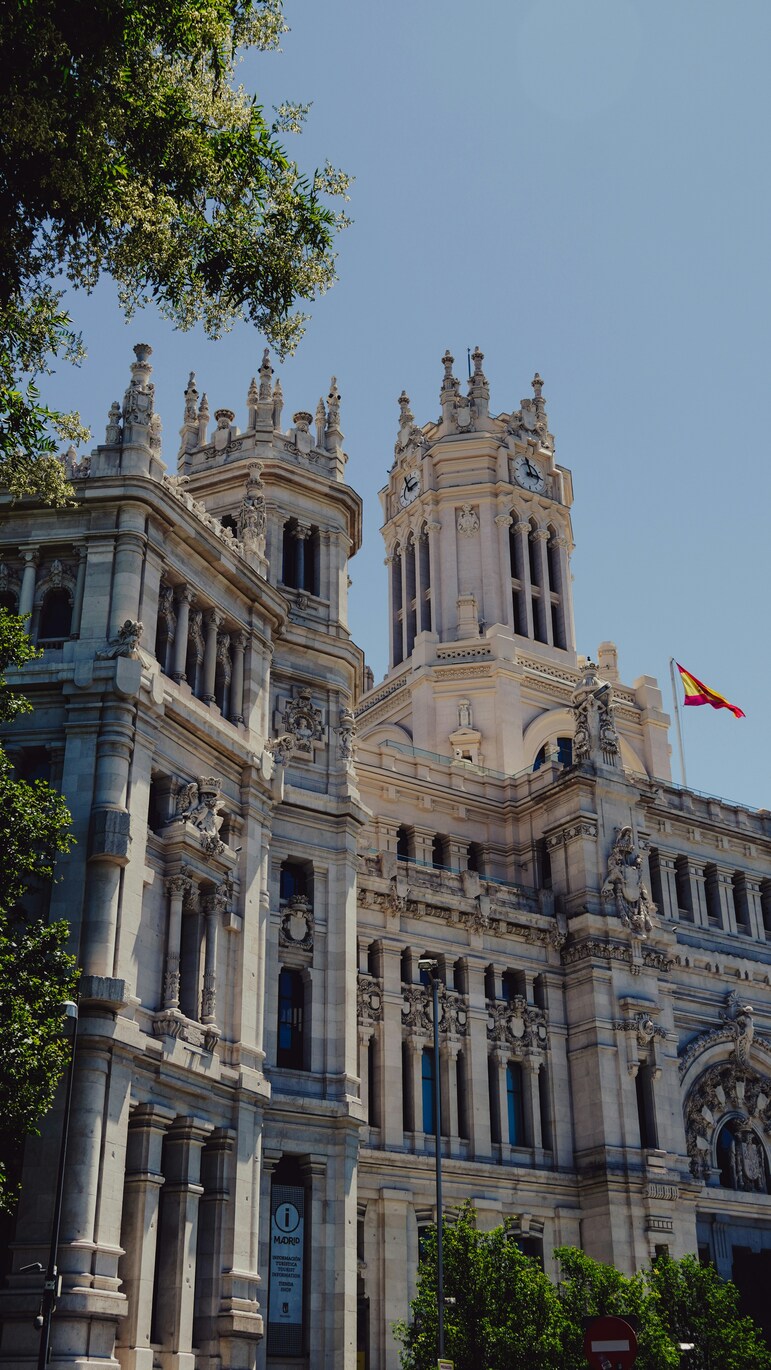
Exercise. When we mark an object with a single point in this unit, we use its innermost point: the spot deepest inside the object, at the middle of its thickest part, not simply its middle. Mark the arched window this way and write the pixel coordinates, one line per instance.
(556, 590)
(564, 749)
(539, 592)
(55, 621)
(8, 601)
(741, 1158)
(291, 1013)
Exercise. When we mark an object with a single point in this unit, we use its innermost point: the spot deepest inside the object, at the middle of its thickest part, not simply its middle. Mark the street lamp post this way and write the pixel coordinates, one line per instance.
(432, 967)
(51, 1282)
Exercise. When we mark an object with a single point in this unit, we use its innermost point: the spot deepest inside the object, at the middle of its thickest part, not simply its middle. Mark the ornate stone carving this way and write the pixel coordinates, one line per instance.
(297, 925)
(418, 1013)
(467, 521)
(281, 748)
(416, 1008)
(166, 608)
(126, 643)
(595, 736)
(369, 999)
(643, 1027)
(738, 1017)
(304, 722)
(346, 733)
(624, 885)
(516, 1025)
(113, 433)
(199, 803)
(138, 399)
(221, 435)
(741, 1097)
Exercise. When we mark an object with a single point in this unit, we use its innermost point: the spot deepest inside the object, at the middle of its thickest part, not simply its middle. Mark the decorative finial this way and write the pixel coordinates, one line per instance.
(278, 405)
(334, 436)
(203, 420)
(448, 380)
(406, 416)
(191, 397)
(537, 384)
(477, 358)
(266, 371)
(112, 437)
(321, 423)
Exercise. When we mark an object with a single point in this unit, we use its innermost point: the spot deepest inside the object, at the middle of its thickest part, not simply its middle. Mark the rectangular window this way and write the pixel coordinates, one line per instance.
(429, 1111)
(516, 1104)
(291, 1006)
(646, 1114)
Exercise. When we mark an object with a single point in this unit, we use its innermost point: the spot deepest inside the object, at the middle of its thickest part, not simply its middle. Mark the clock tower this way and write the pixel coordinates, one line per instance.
(478, 541)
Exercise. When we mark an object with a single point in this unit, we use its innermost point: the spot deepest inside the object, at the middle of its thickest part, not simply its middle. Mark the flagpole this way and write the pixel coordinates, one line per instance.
(677, 720)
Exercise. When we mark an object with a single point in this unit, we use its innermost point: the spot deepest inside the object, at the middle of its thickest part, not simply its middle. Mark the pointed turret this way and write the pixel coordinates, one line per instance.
(321, 424)
(138, 399)
(264, 412)
(478, 388)
(334, 438)
(278, 405)
(251, 404)
(203, 420)
(188, 433)
(449, 388)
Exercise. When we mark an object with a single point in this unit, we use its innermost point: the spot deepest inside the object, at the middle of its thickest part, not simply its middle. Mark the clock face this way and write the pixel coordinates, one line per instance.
(529, 475)
(410, 489)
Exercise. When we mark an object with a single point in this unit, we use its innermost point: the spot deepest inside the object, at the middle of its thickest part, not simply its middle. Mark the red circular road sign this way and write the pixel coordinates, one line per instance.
(610, 1344)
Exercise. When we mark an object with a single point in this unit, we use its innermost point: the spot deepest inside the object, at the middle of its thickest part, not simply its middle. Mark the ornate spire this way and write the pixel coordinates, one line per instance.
(450, 387)
(113, 435)
(188, 433)
(278, 405)
(334, 435)
(478, 387)
(321, 424)
(406, 416)
(252, 397)
(264, 413)
(203, 421)
(138, 400)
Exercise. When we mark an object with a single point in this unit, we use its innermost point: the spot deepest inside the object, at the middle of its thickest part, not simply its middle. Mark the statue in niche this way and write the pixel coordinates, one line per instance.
(346, 733)
(625, 887)
(464, 714)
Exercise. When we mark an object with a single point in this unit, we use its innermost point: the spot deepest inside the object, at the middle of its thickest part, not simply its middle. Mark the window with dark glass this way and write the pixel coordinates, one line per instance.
(646, 1114)
(55, 616)
(429, 1111)
(291, 1012)
(515, 1103)
(564, 753)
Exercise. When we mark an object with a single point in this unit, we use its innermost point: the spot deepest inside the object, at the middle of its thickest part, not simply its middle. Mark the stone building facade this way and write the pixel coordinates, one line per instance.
(267, 846)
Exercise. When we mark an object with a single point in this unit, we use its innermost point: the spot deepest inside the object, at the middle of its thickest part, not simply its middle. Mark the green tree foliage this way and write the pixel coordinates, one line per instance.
(129, 150)
(505, 1314)
(697, 1306)
(36, 972)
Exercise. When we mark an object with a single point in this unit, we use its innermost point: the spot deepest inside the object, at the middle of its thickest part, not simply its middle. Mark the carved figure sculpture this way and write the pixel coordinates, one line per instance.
(199, 803)
(625, 887)
(126, 643)
(596, 738)
(748, 1171)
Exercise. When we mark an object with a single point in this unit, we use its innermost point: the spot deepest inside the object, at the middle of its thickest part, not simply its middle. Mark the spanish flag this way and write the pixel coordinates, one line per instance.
(696, 692)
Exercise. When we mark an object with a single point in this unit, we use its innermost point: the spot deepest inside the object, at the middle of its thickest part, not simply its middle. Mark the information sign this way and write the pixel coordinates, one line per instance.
(285, 1308)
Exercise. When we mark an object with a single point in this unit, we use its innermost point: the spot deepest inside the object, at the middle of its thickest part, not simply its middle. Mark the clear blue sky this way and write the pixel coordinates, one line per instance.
(581, 187)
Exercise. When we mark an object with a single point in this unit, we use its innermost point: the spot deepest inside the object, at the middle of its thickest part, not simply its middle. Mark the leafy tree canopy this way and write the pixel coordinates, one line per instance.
(36, 972)
(129, 150)
(505, 1314)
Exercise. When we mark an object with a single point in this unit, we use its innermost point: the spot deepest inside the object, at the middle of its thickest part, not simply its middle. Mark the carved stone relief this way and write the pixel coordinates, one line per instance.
(624, 886)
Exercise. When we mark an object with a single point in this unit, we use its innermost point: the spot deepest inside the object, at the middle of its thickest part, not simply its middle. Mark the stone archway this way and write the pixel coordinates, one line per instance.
(737, 1097)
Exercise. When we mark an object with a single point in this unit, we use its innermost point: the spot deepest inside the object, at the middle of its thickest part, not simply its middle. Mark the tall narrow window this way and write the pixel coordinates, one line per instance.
(741, 903)
(296, 878)
(405, 842)
(712, 896)
(646, 1113)
(55, 616)
(396, 606)
(291, 1013)
(440, 852)
(516, 1103)
(545, 1108)
(408, 1122)
(462, 1088)
(657, 889)
(765, 905)
(475, 857)
(411, 607)
(683, 887)
(539, 592)
(373, 1113)
(495, 1112)
(429, 1109)
(517, 563)
(556, 590)
(424, 560)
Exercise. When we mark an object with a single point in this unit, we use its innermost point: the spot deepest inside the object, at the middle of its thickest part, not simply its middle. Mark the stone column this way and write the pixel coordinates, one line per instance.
(449, 1065)
(522, 530)
(212, 1228)
(239, 642)
(393, 1084)
(209, 995)
(302, 532)
(214, 621)
(433, 528)
(396, 1211)
(366, 1033)
(503, 523)
(109, 836)
(541, 537)
(185, 598)
(566, 592)
(416, 1045)
(177, 1237)
(127, 567)
(477, 1074)
(30, 556)
(725, 885)
(177, 887)
(501, 1060)
(755, 908)
(531, 1069)
(698, 898)
(139, 1231)
(405, 605)
(80, 585)
(668, 886)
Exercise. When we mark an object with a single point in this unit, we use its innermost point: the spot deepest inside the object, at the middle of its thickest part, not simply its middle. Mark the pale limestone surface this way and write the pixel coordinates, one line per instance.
(210, 722)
